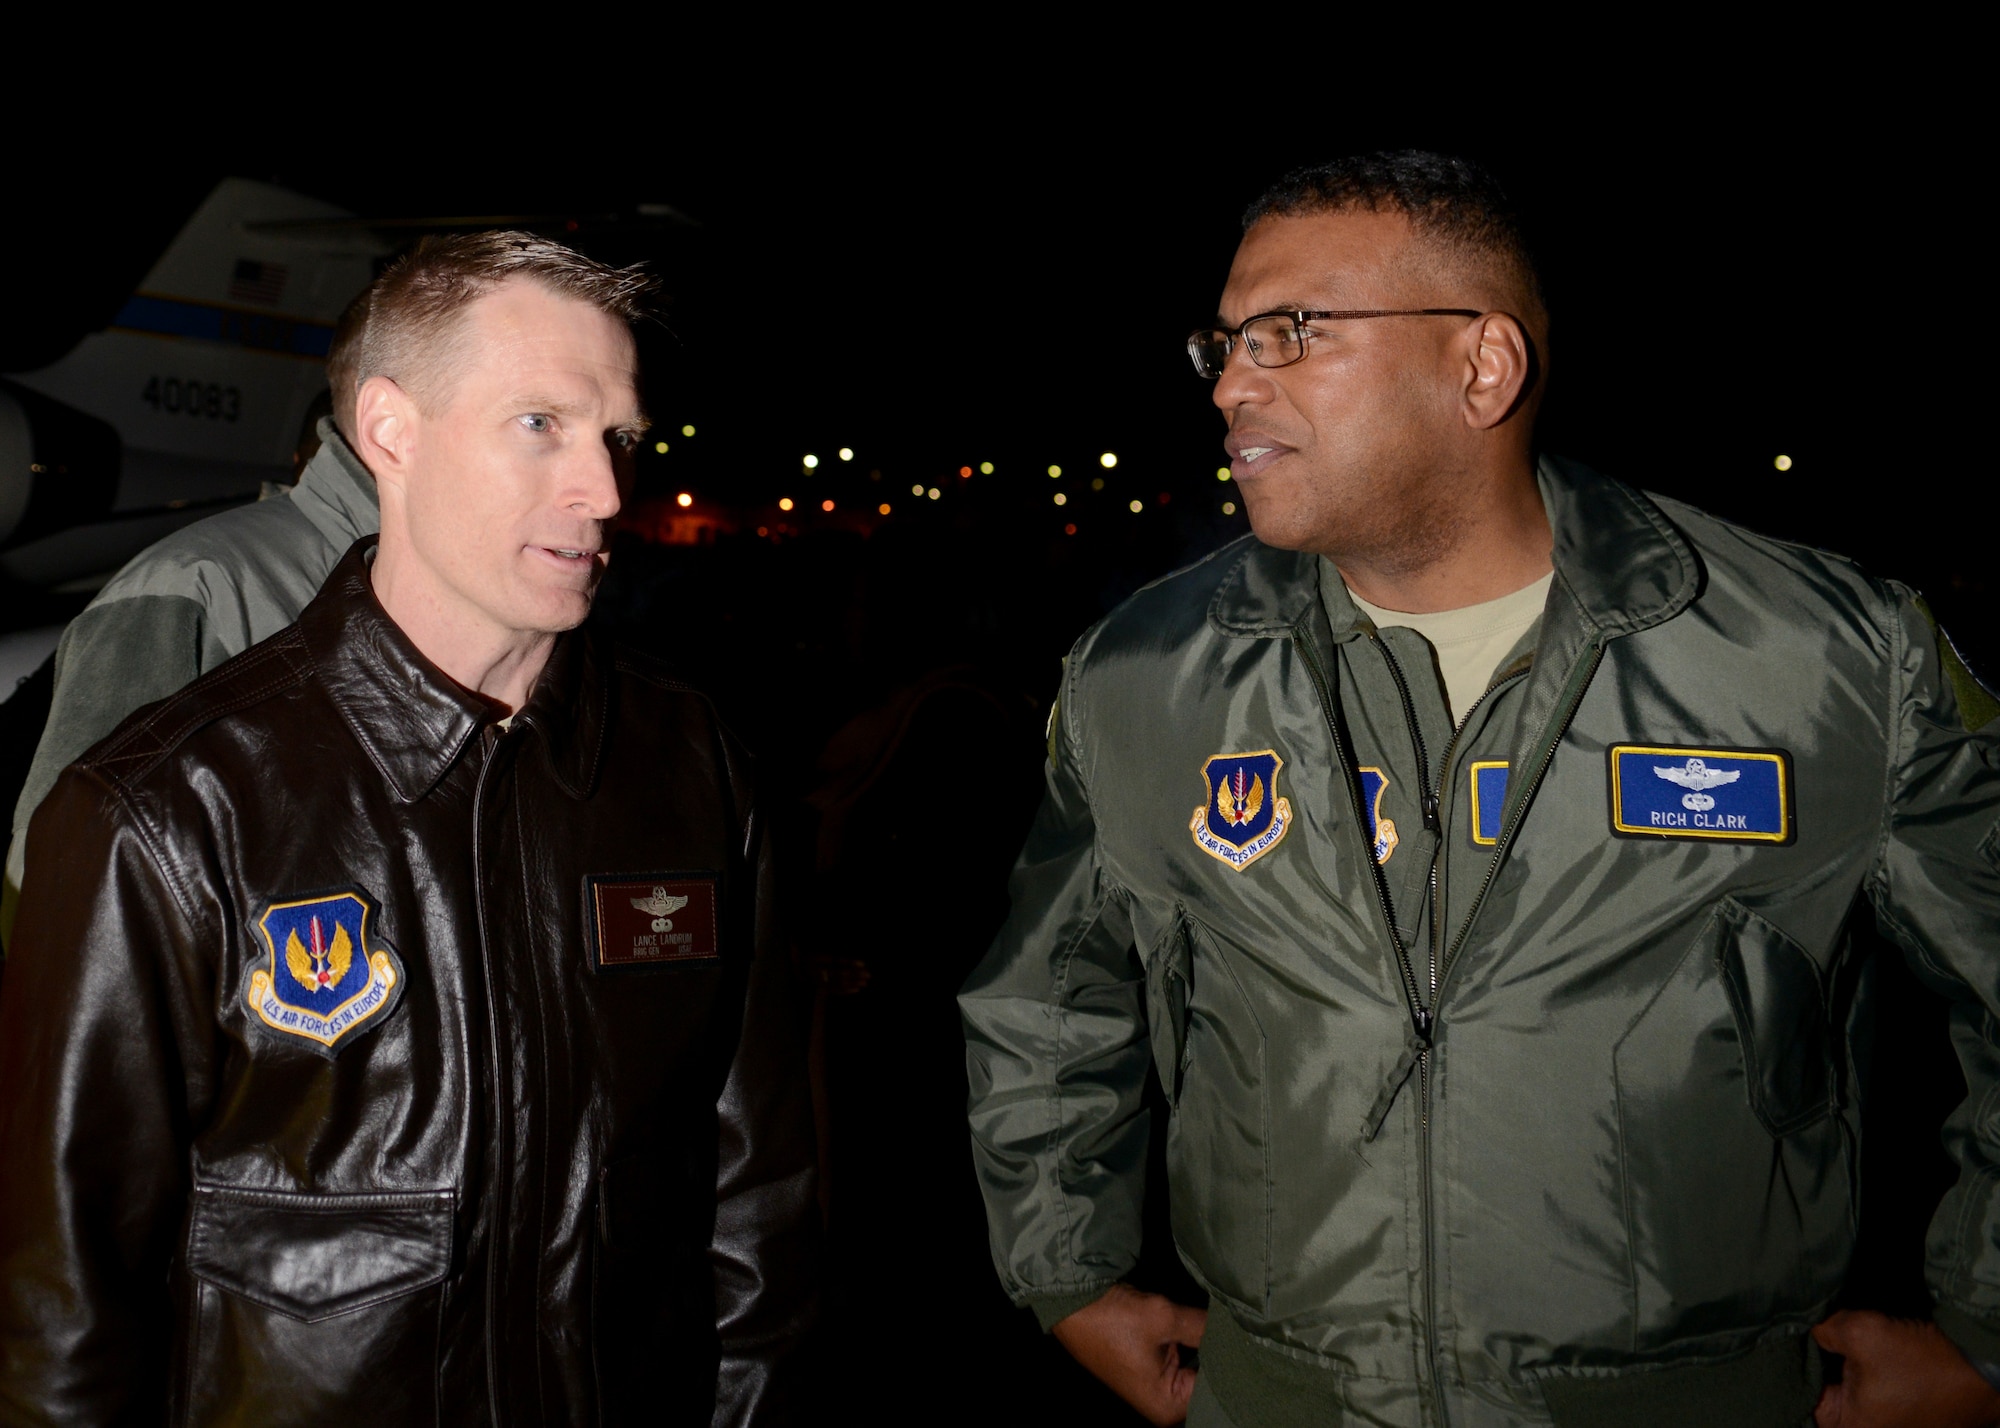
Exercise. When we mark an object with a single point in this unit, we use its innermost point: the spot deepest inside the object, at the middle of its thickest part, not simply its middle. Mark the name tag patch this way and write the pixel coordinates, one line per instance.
(325, 976)
(647, 919)
(1726, 795)
(1489, 800)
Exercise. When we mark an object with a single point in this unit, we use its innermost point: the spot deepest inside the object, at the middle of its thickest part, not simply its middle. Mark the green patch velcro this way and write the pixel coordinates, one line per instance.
(1977, 705)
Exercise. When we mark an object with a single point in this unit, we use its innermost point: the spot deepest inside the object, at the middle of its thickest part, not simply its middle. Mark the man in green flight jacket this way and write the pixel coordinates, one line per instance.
(1470, 854)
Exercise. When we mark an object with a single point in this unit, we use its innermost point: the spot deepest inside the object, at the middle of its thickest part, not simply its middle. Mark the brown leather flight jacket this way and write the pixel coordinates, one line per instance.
(363, 1063)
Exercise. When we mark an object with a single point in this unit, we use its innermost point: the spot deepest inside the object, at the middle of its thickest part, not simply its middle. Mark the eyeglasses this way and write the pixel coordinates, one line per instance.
(1278, 339)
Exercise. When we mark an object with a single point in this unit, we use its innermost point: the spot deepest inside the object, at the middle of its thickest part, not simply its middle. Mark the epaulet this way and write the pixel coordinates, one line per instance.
(154, 731)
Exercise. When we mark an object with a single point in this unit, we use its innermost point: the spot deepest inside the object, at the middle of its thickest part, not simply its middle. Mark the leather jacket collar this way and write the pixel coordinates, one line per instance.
(414, 721)
(1622, 561)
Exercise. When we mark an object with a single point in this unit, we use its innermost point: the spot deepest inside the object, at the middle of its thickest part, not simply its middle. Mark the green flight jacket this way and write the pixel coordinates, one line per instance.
(1484, 1108)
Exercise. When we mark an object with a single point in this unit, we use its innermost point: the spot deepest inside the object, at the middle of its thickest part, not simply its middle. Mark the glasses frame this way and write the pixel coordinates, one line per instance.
(1299, 320)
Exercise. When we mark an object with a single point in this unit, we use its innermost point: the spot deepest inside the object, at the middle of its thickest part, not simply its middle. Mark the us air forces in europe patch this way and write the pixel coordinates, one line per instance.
(327, 976)
(1241, 818)
(650, 919)
(1725, 795)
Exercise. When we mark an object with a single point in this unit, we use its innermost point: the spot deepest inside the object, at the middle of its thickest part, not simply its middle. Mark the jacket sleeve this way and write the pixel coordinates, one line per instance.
(94, 1110)
(1936, 889)
(764, 1251)
(1056, 1058)
(112, 659)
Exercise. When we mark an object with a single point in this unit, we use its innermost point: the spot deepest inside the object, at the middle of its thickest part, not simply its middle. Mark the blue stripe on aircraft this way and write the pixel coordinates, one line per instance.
(206, 322)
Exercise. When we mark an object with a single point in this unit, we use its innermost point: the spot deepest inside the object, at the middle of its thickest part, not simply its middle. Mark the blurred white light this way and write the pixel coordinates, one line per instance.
(985, 468)
(846, 453)
(684, 499)
(811, 461)
(661, 447)
(687, 431)
(784, 503)
(1783, 463)
(916, 490)
(932, 493)
(1228, 508)
(1136, 507)
(1061, 499)
(1055, 471)
(1108, 460)
(1222, 473)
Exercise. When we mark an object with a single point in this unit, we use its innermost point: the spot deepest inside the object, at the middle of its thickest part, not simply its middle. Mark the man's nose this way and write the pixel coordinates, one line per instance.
(1242, 383)
(596, 482)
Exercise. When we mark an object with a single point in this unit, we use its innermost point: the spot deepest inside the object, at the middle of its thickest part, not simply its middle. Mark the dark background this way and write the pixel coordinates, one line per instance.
(938, 277)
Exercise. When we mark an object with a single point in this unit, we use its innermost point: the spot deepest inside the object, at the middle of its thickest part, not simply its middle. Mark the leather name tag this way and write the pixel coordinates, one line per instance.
(646, 919)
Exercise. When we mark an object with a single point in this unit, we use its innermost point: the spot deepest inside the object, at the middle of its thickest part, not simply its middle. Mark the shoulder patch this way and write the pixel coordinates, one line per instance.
(327, 975)
(1241, 817)
(1720, 794)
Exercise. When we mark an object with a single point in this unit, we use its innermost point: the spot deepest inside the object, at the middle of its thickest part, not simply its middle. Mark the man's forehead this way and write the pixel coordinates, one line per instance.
(1347, 258)
(521, 331)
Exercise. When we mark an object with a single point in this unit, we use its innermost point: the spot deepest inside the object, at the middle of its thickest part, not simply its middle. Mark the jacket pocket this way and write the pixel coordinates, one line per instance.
(653, 1333)
(1734, 1169)
(1219, 1136)
(1169, 972)
(316, 1308)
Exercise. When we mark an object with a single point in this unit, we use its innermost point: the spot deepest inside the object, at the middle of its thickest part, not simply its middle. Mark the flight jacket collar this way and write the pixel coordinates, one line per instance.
(336, 491)
(1619, 561)
(412, 719)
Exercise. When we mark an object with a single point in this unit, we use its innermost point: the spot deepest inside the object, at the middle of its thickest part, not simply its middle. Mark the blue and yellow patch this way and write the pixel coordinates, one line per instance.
(1725, 795)
(1241, 817)
(1382, 836)
(1489, 800)
(325, 979)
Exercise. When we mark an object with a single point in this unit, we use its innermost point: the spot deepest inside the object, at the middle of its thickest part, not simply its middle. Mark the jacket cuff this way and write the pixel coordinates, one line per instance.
(1978, 1339)
(1052, 1309)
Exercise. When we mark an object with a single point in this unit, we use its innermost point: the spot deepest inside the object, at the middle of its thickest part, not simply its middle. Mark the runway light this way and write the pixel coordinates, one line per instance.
(1222, 473)
(1061, 499)
(1228, 508)
(811, 461)
(684, 499)
(932, 493)
(965, 473)
(660, 447)
(1055, 471)
(687, 431)
(883, 509)
(916, 490)
(1070, 529)
(846, 453)
(985, 468)
(1783, 463)
(784, 503)
(1136, 507)
(826, 505)
(1108, 460)
(1097, 483)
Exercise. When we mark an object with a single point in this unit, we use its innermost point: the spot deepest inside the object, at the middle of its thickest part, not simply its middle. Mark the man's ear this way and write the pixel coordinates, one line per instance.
(385, 430)
(1501, 371)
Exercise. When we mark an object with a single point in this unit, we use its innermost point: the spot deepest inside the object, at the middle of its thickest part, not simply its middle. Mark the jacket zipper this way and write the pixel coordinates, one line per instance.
(1420, 1017)
(488, 739)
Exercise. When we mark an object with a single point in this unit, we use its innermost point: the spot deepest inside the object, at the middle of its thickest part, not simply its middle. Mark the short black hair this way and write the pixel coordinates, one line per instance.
(1449, 200)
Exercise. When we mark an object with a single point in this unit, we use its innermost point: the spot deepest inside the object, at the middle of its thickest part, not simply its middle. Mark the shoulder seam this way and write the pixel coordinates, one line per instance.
(179, 722)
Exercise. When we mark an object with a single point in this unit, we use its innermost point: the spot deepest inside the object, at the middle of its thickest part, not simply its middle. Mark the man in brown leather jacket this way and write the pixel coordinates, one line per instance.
(395, 1031)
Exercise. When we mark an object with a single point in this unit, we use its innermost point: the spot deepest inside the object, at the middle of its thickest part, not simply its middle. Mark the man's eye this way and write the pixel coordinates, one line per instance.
(626, 440)
(536, 422)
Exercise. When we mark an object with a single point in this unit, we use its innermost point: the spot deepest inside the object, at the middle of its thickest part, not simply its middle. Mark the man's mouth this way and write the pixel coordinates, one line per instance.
(1251, 453)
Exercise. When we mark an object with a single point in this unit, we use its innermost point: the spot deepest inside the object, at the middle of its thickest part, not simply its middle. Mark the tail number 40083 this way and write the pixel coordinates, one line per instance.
(193, 398)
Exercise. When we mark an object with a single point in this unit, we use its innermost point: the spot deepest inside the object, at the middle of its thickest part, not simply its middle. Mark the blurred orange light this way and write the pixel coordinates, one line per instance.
(964, 472)
(784, 503)
(883, 509)
(763, 530)
(684, 499)
(826, 505)
(1070, 529)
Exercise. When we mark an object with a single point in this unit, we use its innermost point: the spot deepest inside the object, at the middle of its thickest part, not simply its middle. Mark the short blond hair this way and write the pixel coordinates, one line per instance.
(404, 325)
